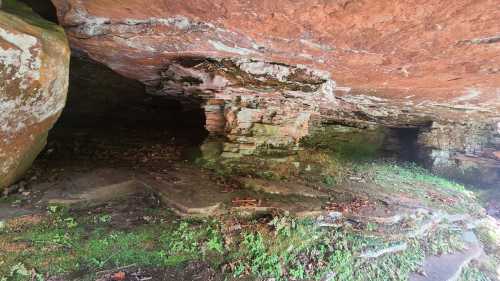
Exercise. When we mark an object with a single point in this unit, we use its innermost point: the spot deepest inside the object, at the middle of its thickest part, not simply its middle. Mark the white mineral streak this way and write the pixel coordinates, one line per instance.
(325, 75)
(219, 46)
(316, 45)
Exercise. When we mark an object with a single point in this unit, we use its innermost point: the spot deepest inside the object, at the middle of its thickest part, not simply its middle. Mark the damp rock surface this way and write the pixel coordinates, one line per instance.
(34, 65)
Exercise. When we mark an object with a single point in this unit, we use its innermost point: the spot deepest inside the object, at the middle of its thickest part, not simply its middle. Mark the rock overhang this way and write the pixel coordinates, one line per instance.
(396, 63)
(395, 49)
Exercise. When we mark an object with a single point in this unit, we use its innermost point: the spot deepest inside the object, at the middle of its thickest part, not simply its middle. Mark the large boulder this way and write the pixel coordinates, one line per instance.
(34, 70)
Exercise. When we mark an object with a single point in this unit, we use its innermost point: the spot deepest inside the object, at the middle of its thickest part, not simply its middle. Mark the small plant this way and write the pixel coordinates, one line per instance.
(371, 226)
(214, 240)
(259, 260)
(104, 218)
(19, 270)
(182, 241)
(444, 241)
(70, 222)
(298, 272)
(473, 274)
(329, 180)
(239, 270)
(283, 225)
(54, 209)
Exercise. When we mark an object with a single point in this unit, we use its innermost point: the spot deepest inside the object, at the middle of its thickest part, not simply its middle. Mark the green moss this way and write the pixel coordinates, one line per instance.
(285, 249)
(489, 234)
(413, 173)
(264, 130)
(22, 10)
(346, 142)
(413, 181)
(27, 14)
(473, 274)
(284, 253)
(62, 244)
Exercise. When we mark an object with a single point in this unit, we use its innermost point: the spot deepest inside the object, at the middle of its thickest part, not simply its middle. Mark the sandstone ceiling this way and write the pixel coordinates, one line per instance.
(444, 52)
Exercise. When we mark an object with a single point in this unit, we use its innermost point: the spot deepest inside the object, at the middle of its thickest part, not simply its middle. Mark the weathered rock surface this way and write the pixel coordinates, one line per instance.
(264, 71)
(34, 63)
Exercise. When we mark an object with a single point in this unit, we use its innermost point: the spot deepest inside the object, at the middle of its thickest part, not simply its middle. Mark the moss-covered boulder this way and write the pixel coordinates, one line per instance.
(34, 69)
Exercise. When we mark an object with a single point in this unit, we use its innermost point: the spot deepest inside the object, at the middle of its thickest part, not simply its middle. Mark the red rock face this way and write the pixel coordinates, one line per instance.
(34, 65)
(442, 51)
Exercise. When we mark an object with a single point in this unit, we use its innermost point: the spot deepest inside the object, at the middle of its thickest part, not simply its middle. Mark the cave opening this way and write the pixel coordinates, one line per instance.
(406, 139)
(112, 120)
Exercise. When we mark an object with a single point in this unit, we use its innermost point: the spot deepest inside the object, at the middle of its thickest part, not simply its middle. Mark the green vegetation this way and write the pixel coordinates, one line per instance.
(473, 274)
(284, 248)
(22, 10)
(444, 240)
(347, 143)
(414, 181)
(62, 244)
(411, 173)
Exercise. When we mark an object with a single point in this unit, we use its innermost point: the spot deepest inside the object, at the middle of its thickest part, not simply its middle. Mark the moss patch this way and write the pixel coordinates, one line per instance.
(283, 248)
(347, 142)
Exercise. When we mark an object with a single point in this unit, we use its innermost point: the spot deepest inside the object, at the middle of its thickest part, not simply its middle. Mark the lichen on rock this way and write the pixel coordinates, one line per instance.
(34, 65)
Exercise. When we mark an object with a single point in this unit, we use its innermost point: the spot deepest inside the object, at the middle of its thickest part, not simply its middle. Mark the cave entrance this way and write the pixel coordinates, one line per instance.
(368, 143)
(402, 144)
(110, 120)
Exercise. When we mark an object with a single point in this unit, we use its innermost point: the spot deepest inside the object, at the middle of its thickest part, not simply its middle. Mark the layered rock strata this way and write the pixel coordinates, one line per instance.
(253, 104)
